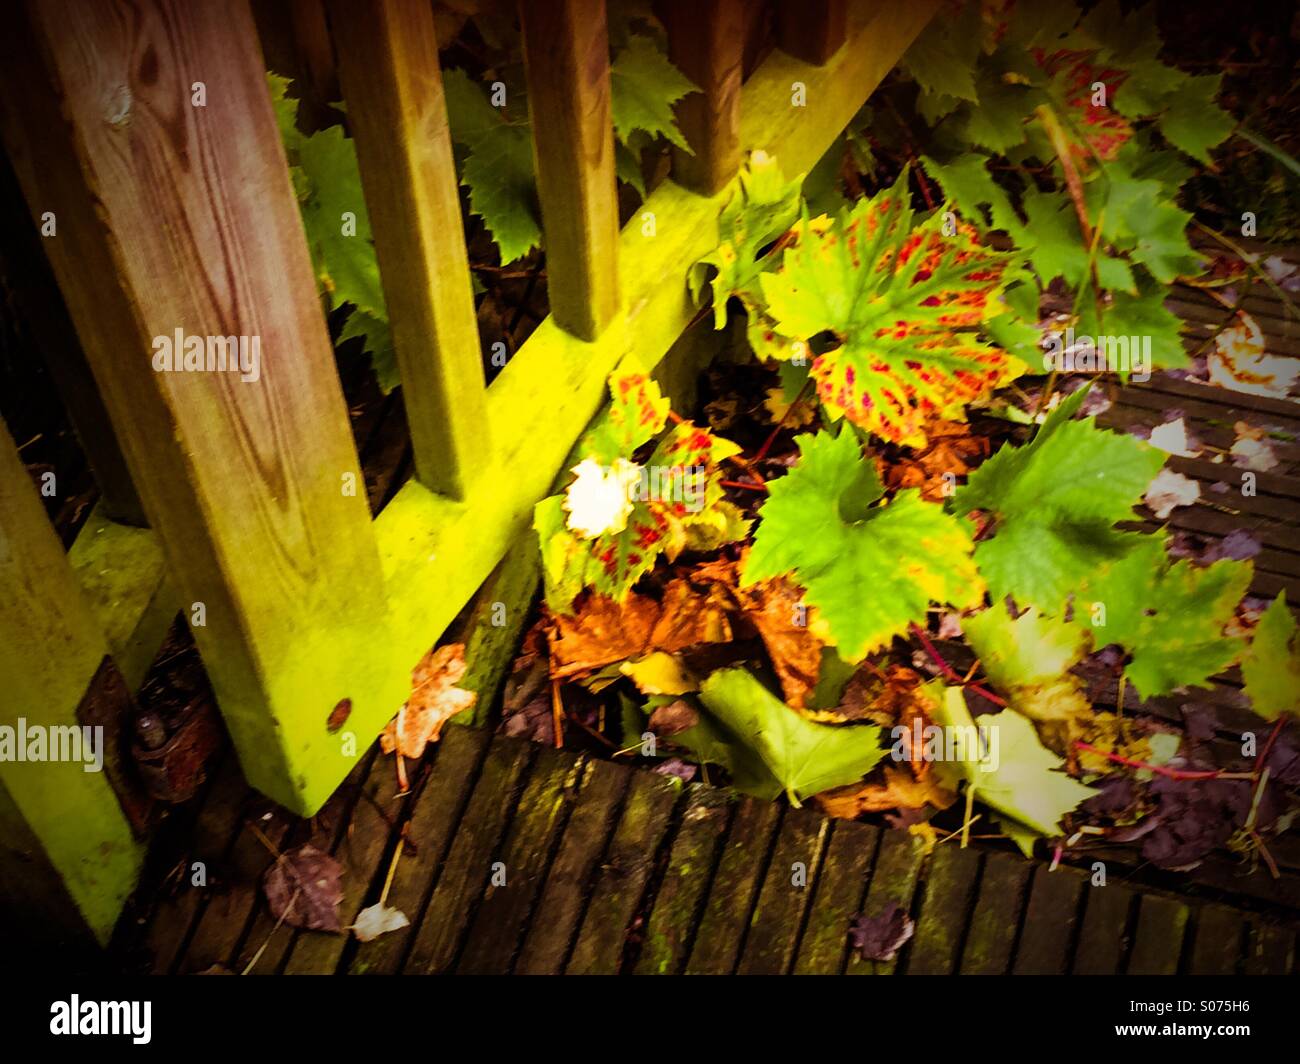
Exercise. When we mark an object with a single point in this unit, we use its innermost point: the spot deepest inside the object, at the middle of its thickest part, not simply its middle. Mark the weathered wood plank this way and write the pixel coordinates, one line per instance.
(392, 84)
(991, 935)
(496, 623)
(706, 41)
(222, 924)
(681, 895)
(213, 833)
(1270, 950)
(360, 852)
(735, 885)
(840, 888)
(268, 943)
(503, 914)
(1051, 915)
(811, 30)
(65, 829)
(1158, 940)
(1218, 934)
(182, 217)
(894, 878)
(564, 898)
(124, 577)
(436, 551)
(624, 872)
(1103, 937)
(566, 56)
(787, 889)
(438, 808)
(467, 872)
(945, 908)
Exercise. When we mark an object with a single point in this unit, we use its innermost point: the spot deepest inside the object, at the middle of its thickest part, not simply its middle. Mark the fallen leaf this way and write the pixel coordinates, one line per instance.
(434, 700)
(880, 937)
(378, 920)
(673, 718)
(1240, 363)
(1251, 449)
(660, 674)
(898, 790)
(951, 451)
(304, 887)
(1171, 437)
(1169, 490)
(783, 621)
(806, 758)
(603, 632)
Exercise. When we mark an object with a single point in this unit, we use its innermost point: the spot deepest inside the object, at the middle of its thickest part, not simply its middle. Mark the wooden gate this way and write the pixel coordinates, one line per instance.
(159, 214)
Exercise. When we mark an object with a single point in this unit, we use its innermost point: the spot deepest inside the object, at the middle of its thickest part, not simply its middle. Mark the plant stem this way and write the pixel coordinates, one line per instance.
(949, 671)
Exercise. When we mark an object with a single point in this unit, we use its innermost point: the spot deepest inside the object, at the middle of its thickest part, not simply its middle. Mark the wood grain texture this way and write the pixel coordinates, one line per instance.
(566, 55)
(840, 887)
(1051, 915)
(174, 216)
(945, 912)
(60, 822)
(706, 41)
(436, 551)
(392, 84)
(811, 30)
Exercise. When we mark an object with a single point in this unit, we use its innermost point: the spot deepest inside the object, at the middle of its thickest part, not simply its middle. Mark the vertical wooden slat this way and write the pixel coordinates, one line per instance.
(182, 217)
(63, 835)
(811, 30)
(388, 62)
(706, 40)
(566, 54)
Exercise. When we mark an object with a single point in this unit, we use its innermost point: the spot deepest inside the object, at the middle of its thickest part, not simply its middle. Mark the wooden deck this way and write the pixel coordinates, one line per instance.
(611, 869)
(616, 869)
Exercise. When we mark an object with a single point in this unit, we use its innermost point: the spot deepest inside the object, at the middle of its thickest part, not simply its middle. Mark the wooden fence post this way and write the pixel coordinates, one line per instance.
(566, 54)
(179, 230)
(64, 839)
(706, 40)
(811, 30)
(388, 62)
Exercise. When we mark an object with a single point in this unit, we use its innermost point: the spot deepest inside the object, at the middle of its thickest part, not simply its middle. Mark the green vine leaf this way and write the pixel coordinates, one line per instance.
(1012, 772)
(1169, 617)
(1028, 658)
(1194, 121)
(1271, 667)
(903, 302)
(805, 758)
(870, 568)
(498, 165)
(763, 206)
(1054, 504)
(327, 182)
(643, 86)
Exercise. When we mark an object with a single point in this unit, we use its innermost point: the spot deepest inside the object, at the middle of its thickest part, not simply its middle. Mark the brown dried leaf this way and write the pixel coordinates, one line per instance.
(951, 448)
(899, 789)
(603, 632)
(304, 888)
(434, 700)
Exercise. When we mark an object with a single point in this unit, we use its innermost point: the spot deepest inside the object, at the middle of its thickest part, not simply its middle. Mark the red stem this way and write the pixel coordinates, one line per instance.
(743, 484)
(1159, 770)
(949, 671)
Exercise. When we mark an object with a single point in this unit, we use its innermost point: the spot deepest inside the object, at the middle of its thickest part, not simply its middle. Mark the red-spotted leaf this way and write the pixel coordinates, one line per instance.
(904, 303)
